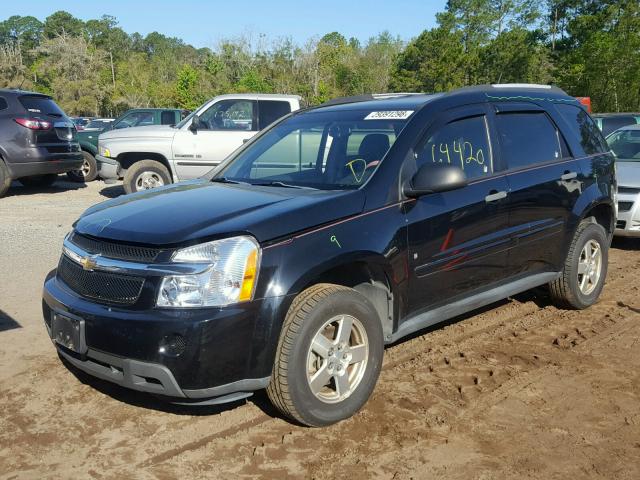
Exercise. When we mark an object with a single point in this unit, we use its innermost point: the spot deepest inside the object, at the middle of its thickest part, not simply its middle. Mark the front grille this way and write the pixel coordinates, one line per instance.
(628, 190)
(621, 224)
(624, 206)
(104, 286)
(115, 250)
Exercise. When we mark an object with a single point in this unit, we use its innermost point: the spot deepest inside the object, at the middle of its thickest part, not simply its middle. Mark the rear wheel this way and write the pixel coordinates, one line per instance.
(5, 179)
(329, 356)
(39, 181)
(145, 175)
(87, 172)
(585, 268)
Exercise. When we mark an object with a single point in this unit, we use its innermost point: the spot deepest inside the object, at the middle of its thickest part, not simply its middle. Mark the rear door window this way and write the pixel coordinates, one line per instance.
(584, 128)
(527, 138)
(38, 104)
(272, 110)
(463, 142)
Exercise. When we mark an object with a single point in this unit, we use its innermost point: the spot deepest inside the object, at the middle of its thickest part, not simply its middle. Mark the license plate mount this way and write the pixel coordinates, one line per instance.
(68, 332)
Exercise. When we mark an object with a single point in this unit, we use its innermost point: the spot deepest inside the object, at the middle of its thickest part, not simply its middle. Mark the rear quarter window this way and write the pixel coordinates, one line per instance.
(584, 128)
(167, 117)
(3, 103)
(39, 104)
(527, 138)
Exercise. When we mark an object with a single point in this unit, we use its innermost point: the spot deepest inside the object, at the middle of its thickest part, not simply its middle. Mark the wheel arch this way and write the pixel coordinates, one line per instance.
(365, 272)
(127, 159)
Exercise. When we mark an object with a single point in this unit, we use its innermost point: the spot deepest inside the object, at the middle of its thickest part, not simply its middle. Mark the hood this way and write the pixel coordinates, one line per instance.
(199, 209)
(628, 173)
(150, 131)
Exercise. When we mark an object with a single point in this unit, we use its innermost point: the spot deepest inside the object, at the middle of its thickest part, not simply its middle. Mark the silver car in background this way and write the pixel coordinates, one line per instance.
(625, 144)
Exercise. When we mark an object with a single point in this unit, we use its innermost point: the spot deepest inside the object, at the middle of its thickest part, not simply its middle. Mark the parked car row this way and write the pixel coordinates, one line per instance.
(337, 230)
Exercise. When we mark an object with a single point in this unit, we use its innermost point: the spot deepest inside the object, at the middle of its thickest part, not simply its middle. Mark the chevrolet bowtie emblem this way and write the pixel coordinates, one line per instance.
(89, 263)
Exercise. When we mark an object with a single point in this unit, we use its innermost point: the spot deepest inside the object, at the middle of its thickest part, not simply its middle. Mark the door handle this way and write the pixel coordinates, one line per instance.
(493, 196)
(568, 176)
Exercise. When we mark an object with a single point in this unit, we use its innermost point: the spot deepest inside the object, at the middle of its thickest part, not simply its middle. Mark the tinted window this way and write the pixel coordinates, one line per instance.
(611, 124)
(167, 118)
(3, 103)
(584, 128)
(527, 138)
(40, 104)
(461, 142)
(270, 111)
(228, 115)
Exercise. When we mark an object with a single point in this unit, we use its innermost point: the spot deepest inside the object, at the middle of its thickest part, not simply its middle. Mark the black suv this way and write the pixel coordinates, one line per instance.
(37, 140)
(338, 230)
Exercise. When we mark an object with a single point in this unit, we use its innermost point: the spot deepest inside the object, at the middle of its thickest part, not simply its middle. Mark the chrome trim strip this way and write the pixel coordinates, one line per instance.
(76, 254)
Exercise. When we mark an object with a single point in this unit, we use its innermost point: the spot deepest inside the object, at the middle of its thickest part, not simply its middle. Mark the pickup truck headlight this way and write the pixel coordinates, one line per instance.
(230, 278)
(105, 152)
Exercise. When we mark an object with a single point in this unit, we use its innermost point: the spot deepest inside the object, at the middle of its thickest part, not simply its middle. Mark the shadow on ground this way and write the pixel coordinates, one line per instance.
(112, 191)
(7, 322)
(623, 243)
(60, 186)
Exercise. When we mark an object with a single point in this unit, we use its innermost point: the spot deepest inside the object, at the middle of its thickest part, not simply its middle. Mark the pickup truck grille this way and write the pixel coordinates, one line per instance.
(115, 250)
(102, 286)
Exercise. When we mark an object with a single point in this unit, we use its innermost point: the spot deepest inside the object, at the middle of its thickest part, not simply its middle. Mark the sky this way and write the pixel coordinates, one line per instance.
(205, 23)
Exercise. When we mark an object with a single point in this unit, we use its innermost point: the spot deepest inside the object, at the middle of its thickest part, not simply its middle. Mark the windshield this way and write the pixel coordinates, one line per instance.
(325, 150)
(625, 145)
(97, 124)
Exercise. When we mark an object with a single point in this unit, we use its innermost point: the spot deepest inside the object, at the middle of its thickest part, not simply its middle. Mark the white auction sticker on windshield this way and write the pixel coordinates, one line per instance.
(389, 115)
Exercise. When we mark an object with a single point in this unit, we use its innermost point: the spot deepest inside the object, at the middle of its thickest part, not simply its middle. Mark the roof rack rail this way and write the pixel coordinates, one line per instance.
(365, 98)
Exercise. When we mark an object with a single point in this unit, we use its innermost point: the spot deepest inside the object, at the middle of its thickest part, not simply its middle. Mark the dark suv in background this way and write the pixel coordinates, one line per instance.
(37, 140)
(337, 230)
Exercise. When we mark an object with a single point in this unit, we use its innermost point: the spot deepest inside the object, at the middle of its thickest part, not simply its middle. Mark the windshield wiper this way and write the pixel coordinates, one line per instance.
(277, 183)
(228, 180)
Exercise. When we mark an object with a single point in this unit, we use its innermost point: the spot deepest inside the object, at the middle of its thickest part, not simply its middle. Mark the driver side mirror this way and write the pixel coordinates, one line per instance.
(435, 177)
(195, 123)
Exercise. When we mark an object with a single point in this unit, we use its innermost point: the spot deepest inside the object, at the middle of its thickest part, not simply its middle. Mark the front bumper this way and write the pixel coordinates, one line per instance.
(628, 221)
(227, 355)
(108, 168)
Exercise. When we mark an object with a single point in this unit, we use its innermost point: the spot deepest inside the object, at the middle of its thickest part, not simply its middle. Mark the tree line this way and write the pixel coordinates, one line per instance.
(587, 47)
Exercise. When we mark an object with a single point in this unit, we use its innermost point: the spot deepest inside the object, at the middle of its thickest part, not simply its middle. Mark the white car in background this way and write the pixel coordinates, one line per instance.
(625, 144)
(149, 157)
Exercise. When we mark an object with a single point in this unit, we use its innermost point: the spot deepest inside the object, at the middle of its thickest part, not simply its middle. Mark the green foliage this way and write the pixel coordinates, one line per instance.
(588, 47)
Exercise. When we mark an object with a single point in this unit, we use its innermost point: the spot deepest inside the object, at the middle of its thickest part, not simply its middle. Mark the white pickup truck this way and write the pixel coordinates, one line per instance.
(157, 155)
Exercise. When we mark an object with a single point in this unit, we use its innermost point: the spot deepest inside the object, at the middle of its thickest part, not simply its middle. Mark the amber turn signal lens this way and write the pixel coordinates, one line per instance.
(249, 278)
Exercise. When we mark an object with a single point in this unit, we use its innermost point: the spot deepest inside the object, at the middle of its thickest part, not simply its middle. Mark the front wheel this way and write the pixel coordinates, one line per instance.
(329, 356)
(87, 172)
(585, 268)
(145, 175)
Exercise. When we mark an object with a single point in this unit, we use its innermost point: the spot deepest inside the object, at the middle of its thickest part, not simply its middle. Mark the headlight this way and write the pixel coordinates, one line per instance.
(105, 152)
(231, 277)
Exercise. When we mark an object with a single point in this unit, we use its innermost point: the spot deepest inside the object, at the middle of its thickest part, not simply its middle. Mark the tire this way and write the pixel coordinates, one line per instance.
(5, 178)
(144, 175)
(88, 172)
(576, 290)
(39, 181)
(297, 363)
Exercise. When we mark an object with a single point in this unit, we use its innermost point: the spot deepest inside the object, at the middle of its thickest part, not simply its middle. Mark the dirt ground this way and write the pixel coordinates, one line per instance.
(518, 390)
